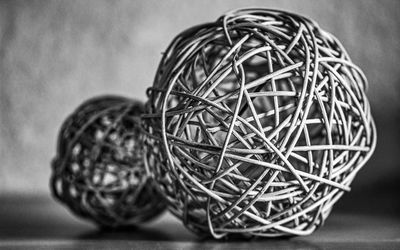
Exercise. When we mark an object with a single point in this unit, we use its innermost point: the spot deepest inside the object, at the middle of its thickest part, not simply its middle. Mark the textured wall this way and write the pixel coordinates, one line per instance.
(54, 54)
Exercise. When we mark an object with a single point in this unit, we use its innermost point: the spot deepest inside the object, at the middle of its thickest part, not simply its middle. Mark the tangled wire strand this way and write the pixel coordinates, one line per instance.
(257, 124)
(98, 171)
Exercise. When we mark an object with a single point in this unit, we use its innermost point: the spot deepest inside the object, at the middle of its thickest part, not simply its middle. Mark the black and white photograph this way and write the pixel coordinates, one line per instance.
(188, 124)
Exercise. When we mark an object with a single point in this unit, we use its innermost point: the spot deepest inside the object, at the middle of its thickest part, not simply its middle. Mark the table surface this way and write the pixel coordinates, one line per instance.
(41, 223)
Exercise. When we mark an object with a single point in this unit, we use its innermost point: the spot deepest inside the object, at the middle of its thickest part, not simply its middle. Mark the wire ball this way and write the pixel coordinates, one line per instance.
(98, 171)
(256, 124)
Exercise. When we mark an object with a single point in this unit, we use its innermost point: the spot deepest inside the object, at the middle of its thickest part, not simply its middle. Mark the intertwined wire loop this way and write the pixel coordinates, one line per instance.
(257, 124)
(98, 171)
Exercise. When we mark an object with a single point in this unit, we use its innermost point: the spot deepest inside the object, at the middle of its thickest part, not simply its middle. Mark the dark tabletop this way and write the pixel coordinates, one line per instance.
(41, 223)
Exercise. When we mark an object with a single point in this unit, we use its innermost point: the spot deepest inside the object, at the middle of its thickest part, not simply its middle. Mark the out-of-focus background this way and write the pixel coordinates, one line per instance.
(55, 54)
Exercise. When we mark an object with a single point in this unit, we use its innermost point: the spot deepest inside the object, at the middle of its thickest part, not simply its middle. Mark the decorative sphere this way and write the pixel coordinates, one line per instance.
(257, 124)
(98, 171)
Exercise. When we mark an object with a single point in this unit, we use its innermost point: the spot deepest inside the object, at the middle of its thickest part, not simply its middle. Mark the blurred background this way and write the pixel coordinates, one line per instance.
(56, 54)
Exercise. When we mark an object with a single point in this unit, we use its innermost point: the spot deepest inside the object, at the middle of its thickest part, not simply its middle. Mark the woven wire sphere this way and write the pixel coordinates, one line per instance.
(98, 171)
(257, 124)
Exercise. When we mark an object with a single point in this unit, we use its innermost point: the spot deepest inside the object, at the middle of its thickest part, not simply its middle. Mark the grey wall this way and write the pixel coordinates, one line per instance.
(55, 54)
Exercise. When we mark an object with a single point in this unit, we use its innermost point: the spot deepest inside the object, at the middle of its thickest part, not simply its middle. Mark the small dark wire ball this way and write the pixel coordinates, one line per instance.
(98, 171)
(257, 124)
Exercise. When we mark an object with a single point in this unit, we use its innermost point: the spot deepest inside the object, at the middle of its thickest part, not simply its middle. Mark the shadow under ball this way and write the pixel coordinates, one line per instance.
(98, 172)
(257, 124)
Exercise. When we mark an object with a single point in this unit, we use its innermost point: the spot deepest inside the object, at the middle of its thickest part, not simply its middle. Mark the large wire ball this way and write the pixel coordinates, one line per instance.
(98, 171)
(257, 124)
